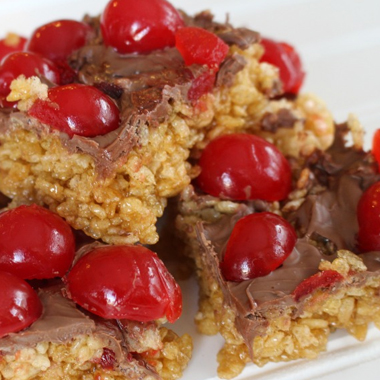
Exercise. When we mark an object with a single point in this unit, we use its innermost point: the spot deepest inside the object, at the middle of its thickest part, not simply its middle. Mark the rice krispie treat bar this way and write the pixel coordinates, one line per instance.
(70, 310)
(111, 179)
(65, 343)
(276, 291)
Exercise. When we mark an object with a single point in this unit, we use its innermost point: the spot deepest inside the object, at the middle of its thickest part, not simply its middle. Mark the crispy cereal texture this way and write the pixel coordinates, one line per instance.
(351, 305)
(124, 207)
(79, 360)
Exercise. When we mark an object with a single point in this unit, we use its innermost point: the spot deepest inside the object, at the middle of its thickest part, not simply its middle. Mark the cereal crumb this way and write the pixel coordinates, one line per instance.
(26, 91)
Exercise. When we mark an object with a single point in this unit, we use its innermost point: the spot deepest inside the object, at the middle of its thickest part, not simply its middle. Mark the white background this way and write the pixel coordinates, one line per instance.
(339, 42)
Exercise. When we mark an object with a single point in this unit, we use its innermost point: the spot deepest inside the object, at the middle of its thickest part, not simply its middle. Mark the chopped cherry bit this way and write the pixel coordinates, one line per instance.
(108, 359)
(202, 85)
(199, 46)
(325, 279)
(77, 109)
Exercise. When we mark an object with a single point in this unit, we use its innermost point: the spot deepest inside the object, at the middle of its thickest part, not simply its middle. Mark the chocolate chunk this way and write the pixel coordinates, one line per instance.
(283, 118)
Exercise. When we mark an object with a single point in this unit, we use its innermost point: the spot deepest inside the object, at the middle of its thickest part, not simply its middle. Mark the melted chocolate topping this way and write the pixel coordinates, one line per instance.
(62, 321)
(328, 214)
(145, 86)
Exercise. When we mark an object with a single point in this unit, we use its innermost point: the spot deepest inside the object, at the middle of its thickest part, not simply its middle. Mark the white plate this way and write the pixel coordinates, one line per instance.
(339, 42)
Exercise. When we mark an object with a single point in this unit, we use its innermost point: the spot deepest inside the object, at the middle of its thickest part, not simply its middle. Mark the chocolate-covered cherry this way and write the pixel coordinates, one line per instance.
(27, 64)
(368, 214)
(35, 243)
(199, 46)
(124, 282)
(77, 109)
(58, 39)
(11, 44)
(259, 243)
(19, 304)
(243, 167)
(139, 26)
(286, 58)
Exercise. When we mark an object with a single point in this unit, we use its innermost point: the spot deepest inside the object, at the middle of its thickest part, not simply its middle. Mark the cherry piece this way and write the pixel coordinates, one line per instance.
(325, 279)
(139, 26)
(108, 359)
(285, 57)
(243, 167)
(124, 282)
(201, 47)
(11, 44)
(58, 39)
(368, 214)
(259, 243)
(35, 243)
(19, 304)
(28, 64)
(376, 145)
(77, 109)
(202, 85)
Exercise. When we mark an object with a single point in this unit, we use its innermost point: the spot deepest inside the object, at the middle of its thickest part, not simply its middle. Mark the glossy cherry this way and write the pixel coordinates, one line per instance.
(11, 44)
(199, 46)
(58, 39)
(124, 282)
(77, 109)
(376, 145)
(201, 85)
(286, 58)
(139, 26)
(324, 280)
(242, 167)
(35, 243)
(27, 64)
(259, 243)
(19, 304)
(368, 214)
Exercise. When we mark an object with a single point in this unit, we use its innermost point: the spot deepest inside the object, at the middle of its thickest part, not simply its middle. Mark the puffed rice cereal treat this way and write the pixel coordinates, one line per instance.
(109, 163)
(71, 309)
(277, 276)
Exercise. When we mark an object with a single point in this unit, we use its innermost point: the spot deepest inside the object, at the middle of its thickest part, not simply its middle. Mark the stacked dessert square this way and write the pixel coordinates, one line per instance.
(101, 123)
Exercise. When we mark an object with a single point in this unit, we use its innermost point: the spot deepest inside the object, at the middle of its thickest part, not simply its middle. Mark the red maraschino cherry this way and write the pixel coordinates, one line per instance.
(12, 43)
(27, 64)
(58, 39)
(139, 26)
(376, 145)
(124, 282)
(35, 243)
(19, 304)
(243, 167)
(368, 214)
(77, 109)
(286, 58)
(259, 243)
